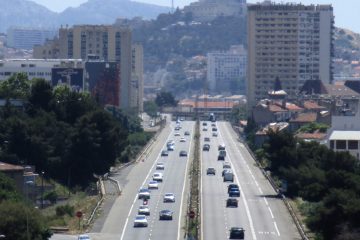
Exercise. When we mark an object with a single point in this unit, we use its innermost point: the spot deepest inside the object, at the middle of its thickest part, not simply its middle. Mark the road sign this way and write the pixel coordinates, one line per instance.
(191, 214)
(79, 214)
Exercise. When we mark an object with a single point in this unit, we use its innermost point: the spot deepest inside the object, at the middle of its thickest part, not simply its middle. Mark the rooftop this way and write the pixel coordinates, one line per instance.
(276, 127)
(4, 167)
(312, 105)
(305, 117)
(345, 135)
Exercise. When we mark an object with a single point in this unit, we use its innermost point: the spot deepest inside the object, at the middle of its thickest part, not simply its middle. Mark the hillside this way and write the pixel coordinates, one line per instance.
(25, 13)
(347, 44)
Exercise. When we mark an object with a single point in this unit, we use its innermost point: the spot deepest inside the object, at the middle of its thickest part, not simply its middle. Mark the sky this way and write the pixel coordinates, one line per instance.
(346, 11)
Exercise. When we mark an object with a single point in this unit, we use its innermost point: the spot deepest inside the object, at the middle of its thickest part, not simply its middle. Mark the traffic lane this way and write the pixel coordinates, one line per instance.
(173, 171)
(271, 219)
(175, 184)
(118, 214)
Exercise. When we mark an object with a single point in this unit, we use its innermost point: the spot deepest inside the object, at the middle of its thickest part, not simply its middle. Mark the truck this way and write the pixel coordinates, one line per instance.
(222, 155)
(228, 176)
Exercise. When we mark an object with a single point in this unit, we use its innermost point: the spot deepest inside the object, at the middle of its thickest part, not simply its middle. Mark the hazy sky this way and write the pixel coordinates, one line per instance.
(346, 11)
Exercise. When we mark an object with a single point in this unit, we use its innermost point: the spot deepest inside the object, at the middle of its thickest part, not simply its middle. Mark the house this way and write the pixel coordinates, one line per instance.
(262, 135)
(14, 172)
(309, 137)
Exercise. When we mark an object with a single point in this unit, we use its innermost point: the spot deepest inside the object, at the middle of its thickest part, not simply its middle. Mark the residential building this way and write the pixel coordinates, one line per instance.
(14, 172)
(227, 70)
(137, 75)
(35, 68)
(261, 136)
(27, 38)
(207, 10)
(50, 50)
(291, 42)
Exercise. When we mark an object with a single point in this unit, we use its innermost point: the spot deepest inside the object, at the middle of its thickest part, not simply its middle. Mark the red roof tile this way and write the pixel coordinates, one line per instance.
(212, 104)
(316, 135)
(312, 105)
(305, 118)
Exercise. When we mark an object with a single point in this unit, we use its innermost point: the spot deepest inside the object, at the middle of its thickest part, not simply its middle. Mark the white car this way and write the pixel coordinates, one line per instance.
(182, 139)
(160, 166)
(140, 221)
(177, 134)
(144, 193)
(158, 177)
(84, 237)
(169, 197)
(144, 210)
(153, 185)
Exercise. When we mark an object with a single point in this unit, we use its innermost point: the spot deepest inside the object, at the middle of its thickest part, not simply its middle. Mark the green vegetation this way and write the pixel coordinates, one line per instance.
(165, 99)
(313, 127)
(328, 181)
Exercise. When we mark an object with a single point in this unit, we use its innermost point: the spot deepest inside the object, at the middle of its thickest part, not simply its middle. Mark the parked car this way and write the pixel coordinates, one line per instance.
(165, 215)
(169, 197)
(210, 171)
(232, 202)
(140, 221)
(237, 233)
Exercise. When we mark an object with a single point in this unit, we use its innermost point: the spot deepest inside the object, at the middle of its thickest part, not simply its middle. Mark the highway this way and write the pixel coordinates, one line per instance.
(260, 213)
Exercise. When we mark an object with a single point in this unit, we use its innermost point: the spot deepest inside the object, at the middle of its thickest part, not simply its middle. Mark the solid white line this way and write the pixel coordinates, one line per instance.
(201, 190)
(256, 183)
(277, 230)
(272, 215)
(132, 206)
(183, 191)
(267, 204)
(243, 197)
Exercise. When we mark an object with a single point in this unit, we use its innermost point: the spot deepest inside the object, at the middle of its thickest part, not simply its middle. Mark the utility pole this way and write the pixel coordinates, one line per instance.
(42, 189)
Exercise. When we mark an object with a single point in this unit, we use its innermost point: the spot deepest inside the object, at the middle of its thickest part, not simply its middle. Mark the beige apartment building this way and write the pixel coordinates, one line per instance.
(292, 42)
(137, 75)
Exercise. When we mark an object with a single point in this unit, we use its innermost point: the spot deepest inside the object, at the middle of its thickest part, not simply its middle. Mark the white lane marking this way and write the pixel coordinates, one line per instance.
(266, 202)
(184, 185)
(247, 210)
(261, 192)
(201, 190)
(277, 230)
(256, 183)
(147, 176)
(272, 215)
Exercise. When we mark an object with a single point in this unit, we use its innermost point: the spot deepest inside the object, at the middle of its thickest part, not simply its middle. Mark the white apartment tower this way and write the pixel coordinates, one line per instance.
(292, 42)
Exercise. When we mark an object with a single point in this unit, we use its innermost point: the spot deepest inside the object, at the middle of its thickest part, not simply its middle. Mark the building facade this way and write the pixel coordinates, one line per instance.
(137, 77)
(226, 70)
(27, 38)
(291, 42)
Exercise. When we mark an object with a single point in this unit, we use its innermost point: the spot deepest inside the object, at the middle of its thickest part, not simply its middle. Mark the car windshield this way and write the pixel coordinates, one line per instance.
(140, 217)
(144, 190)
(169, 194)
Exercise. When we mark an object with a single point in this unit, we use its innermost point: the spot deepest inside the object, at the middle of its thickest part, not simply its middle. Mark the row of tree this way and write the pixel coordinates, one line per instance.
(328, 181)
(62, 132)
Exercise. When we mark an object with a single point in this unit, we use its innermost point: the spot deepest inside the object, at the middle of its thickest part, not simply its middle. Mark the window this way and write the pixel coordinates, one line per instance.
(340, 144)
(352, 144)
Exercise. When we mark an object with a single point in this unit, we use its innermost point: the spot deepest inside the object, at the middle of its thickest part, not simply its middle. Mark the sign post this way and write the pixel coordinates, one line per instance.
(79, 214)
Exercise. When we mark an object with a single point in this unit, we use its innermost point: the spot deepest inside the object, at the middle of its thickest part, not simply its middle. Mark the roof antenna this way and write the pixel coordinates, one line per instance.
(172, 6)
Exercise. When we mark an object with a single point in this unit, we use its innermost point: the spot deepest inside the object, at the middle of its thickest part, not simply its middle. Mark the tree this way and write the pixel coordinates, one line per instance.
(41, 93)
(17, 86)
(165, 99)
(7, 189)
(151, 108)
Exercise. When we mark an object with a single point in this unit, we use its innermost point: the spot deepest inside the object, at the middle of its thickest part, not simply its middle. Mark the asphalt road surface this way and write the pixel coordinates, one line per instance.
(259, 211)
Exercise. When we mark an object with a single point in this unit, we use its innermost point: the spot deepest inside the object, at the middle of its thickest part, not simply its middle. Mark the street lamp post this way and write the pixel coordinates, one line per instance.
(42, 189)
(27, 214)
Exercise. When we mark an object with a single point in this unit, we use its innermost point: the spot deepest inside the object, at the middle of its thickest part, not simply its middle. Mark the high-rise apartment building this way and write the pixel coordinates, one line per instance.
(27, 38)
(137, 73)
(227, 70)
(291, 42)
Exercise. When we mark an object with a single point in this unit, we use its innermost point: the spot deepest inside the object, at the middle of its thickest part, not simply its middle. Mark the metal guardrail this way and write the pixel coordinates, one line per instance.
(296, 220)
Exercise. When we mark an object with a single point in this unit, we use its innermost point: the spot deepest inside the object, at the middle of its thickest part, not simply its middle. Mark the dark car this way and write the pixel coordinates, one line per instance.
(204, 123)
(164, 153)
(206, 147)
(210, 171)
(222, 155)
(231, 202)
(187, 133)
(214, 129)
(233, 185)
(183, 153)
(165, 215)
(224, 171)
(237, 233)
(206, 139)
(234, 192)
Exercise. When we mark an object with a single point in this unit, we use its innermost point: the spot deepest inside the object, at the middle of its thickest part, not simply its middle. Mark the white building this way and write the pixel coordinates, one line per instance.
(344, 134)
(34, 68)
(224, 69)
(27, 38)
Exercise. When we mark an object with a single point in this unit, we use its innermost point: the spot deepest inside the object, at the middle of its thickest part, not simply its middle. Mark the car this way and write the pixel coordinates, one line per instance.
(140, 221)
(187, 133)
(170, 142)
(169, 197)
(228, 176)
(177, 128)
(237, 233)
(214, 129)
(226, 165)
(206, 147)
(231, 202)
(183, 153)
(213, 125)
(84, 237)
(225, 171)
(206, 139)
(222, 155)
(182, 139)
(171, 147)
(158, 177)
(144, 210)
(177, 134)
(204, 123)
(233, 185)
(221, 147)
(153, 185)
(182, 119)
(160, 166)
(164, 153)
(210, 171)
(178, 121)
(214, 134)
(234, 192)
(204, 129)
(165, 215)
(144, 193)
